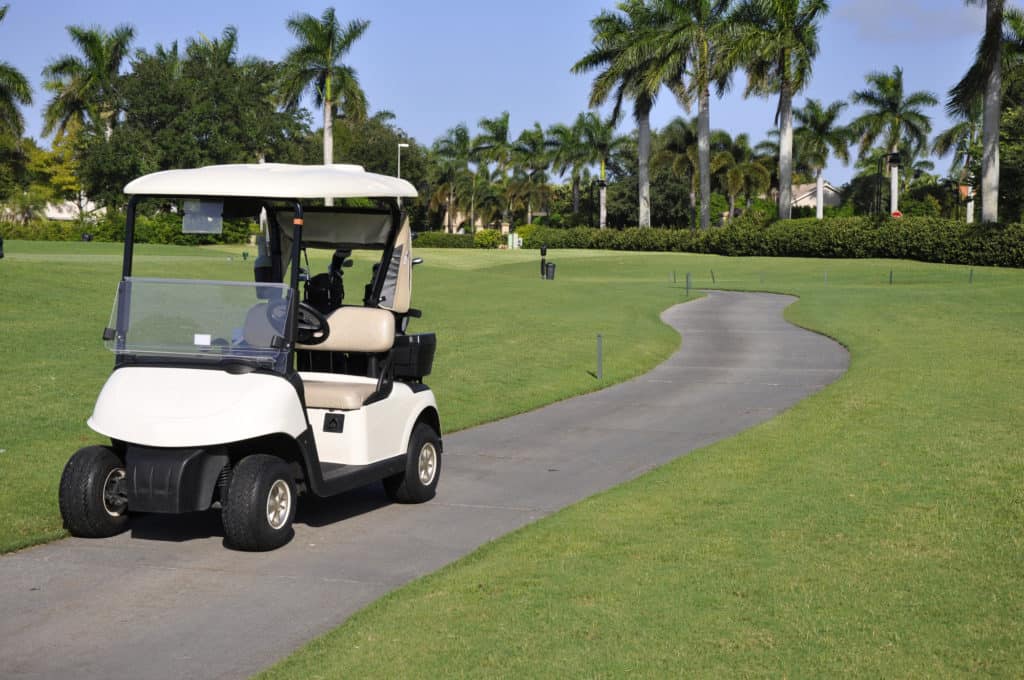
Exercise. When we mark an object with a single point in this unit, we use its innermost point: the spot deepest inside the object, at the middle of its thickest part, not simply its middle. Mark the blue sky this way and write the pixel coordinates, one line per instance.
(437, 64)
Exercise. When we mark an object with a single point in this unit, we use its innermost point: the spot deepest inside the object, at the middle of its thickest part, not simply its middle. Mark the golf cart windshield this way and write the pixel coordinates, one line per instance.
(218, 322)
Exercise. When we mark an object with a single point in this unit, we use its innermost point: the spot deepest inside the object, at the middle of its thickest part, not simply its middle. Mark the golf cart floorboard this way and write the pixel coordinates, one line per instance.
(337, 478)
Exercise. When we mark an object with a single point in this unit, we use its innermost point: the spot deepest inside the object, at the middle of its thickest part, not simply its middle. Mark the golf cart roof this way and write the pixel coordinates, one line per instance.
(272, 180)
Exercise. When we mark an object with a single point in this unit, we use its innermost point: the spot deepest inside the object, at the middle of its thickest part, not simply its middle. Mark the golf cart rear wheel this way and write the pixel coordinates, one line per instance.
(418, 483)
(260, 504)
(93, 498)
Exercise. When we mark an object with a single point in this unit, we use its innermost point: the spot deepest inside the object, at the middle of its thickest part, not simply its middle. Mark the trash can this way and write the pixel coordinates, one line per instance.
(1, 247)
(550, 272)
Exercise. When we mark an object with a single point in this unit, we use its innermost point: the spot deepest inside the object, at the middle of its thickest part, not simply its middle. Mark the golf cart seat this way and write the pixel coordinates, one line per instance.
(352, 329)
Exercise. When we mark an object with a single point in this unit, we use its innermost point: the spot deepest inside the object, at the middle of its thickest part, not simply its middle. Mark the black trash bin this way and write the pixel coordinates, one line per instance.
(550, 273)
(1, 247)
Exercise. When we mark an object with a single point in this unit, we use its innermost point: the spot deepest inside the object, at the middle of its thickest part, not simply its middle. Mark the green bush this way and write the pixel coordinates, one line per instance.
(925, 239)
(487, 238)
(159, 228)
(440, 239)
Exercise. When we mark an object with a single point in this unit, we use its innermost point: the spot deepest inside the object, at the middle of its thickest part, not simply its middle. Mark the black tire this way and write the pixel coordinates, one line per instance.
(93, 499)
(418, 483)
(260, 505)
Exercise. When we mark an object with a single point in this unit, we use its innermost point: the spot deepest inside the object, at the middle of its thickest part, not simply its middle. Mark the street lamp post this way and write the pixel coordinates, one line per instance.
(401, 145)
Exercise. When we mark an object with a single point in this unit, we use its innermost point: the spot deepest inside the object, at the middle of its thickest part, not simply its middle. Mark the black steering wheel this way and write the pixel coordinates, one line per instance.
(311, 327)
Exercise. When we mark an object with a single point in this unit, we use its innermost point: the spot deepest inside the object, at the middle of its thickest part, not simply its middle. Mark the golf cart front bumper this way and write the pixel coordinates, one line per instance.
(173, 480)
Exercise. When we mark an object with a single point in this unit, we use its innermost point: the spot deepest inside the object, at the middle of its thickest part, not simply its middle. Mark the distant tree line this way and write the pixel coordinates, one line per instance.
(115, 111)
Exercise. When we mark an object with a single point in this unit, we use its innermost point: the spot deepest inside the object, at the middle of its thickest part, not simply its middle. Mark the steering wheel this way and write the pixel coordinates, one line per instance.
(311, 327)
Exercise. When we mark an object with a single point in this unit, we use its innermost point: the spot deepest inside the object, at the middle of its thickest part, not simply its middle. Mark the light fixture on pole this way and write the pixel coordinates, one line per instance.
(401, 145)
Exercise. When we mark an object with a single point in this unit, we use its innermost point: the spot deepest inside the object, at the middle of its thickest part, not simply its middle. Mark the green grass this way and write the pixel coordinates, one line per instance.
(872, 530)
(497, 323)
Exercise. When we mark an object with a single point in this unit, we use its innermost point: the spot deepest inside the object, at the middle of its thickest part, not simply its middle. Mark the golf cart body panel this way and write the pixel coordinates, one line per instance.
(187, 407)
(245, 394)
(365, 434)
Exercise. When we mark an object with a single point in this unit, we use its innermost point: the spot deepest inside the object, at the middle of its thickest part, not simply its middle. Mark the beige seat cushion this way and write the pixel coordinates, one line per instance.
(358, 329)
(336, 395)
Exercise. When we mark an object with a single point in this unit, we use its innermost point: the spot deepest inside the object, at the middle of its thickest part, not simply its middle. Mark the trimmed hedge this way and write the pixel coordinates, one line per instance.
(161, 228)
(924, 239)
(440, 239)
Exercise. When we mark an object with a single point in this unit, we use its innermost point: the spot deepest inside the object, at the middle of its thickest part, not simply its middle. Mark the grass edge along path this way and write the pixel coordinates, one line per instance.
(873, 529)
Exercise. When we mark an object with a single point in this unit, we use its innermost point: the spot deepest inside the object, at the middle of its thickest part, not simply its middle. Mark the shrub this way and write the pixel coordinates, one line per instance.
(440, 239)
(926, 239)
(487, 238)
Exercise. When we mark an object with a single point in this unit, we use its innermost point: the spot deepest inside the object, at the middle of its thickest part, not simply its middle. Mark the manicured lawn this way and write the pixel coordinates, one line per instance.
(508, 342)
(872, 530)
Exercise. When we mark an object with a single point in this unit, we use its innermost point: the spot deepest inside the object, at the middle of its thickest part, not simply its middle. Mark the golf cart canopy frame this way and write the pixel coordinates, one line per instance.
(246, 189)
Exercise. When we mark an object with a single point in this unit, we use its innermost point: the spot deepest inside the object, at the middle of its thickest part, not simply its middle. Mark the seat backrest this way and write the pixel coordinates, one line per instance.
(358, 329)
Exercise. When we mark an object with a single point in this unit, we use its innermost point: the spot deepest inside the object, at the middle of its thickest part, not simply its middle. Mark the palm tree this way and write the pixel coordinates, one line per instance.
(891, 117)
(14, 90)
(984, 81)
(531, 157)
(570, 153)
(452, 153)
(689, 51)
(494, 145)
(85, 88)
(680, 151)
(623, 61)
(777, 41)
(744, 174)
(315, 64)
(819, 136)
(964, 140)
(600, 136)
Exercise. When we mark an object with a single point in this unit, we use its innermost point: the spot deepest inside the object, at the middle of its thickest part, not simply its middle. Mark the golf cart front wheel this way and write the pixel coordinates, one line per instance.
(93, 496)
(260, 505)
(418, 483)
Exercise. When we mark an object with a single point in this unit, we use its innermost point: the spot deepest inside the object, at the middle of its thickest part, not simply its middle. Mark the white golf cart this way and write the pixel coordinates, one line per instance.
(244, 395)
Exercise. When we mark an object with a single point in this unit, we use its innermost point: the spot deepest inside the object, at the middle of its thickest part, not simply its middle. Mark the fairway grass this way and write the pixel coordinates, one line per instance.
(872, 530)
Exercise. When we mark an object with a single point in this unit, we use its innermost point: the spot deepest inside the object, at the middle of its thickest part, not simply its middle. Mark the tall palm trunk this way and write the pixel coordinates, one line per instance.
(819, 196)
(451, 209)
(785, 153)
(894, 184)
(693, 209)
(575, 194)
(990, 120)
(704, 155)
(643, 158)
(603, 193)
(328, 140)
(732, 205)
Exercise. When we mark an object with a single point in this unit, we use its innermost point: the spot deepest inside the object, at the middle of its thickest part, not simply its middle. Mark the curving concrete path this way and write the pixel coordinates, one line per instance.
(166, 600)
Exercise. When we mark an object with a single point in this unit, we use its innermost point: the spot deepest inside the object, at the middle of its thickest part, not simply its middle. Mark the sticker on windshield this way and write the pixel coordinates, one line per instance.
(202, 339)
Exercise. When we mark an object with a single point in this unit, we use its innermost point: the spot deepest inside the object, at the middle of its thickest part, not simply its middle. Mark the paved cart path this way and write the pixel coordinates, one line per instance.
(167, 600)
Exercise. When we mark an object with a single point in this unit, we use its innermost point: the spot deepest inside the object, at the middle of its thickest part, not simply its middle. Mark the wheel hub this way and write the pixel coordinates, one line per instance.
(279, 504)
(115, 495)
(427, 464)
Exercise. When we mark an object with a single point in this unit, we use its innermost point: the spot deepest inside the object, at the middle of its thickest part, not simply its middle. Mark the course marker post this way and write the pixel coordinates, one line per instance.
(713, 282)
(970, 278)
(600, 357)
(687, 284)
(890, 277)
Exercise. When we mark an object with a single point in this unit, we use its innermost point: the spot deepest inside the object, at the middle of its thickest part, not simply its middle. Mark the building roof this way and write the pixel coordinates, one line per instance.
(272, 180)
